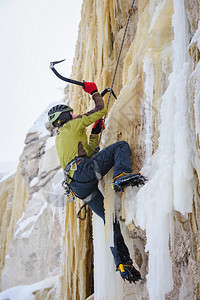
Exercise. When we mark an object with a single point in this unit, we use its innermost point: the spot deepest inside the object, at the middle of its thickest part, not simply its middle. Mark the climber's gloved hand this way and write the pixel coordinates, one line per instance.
(97, 127)
(90, 87)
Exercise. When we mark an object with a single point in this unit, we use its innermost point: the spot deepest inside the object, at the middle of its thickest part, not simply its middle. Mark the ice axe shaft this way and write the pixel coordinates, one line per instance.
(51, 66)
(53, 63)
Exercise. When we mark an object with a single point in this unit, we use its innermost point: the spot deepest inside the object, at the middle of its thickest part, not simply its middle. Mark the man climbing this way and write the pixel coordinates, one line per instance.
(83, 170)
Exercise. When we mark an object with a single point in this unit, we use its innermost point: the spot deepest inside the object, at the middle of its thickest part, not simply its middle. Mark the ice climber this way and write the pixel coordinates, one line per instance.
(83, 170)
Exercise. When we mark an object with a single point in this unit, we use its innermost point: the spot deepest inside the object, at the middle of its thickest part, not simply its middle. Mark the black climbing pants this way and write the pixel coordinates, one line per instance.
(85, 186)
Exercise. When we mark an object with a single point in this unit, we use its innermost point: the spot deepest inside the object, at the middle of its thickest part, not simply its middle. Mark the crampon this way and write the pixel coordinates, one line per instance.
(129, 273)
(123, 181)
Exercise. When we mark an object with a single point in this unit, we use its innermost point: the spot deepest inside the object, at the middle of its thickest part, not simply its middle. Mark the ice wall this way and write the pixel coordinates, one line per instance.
(157, 113)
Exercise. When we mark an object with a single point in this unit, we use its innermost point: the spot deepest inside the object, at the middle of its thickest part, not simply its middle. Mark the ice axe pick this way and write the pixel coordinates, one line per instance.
(51, 66)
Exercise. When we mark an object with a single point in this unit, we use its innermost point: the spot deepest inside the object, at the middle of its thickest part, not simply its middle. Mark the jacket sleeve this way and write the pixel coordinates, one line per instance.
(93, 115)
(93, 142)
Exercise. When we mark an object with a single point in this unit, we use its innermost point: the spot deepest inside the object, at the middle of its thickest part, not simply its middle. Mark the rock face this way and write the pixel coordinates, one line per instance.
(32, 241)
(157, 113)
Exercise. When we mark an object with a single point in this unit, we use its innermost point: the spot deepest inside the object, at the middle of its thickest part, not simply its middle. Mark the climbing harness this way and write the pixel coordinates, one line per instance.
(74, 162)
(72, 165)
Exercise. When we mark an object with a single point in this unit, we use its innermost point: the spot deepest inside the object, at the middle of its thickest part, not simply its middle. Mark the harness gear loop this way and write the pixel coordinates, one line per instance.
(68, 190)
(79, 212)
(111, 88)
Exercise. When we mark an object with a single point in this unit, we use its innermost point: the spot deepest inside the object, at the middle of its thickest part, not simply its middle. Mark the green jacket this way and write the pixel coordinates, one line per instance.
(72, 140)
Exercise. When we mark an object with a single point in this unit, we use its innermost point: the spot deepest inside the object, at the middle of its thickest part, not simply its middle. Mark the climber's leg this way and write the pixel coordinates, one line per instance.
(123, 262)
(96, 202)
(117, 155)
(120, 250)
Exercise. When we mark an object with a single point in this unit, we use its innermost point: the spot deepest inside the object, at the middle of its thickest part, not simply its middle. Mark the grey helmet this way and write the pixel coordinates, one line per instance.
(55, 112)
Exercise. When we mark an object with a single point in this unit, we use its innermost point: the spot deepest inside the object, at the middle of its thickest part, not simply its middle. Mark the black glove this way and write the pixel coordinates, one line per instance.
(97, 127)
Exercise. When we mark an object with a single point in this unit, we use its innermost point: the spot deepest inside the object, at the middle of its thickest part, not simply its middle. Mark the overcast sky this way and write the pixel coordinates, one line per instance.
(32, 33)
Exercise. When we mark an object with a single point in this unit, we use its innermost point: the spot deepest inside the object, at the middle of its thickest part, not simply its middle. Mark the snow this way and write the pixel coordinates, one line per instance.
(57, 197)
(39, 125)
(34, 181)
(23, 224)
(7, 176)
(50, 143)
(25, 292)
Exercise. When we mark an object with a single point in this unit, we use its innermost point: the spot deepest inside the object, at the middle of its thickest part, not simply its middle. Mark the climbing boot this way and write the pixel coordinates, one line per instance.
(129, 273)
(127, 179)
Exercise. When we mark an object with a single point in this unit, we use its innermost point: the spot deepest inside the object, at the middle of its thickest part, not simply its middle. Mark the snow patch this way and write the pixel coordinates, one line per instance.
(50, 143)
(26, 292)
(30, 220)
(39, 124)
(34, 181)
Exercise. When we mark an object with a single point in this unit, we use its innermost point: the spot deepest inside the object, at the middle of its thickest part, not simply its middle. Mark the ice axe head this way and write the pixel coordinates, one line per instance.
(53, 63)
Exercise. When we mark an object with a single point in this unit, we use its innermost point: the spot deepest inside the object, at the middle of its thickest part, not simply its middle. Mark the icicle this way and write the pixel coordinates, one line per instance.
(148, 105)
(183, 172)
(107, 282)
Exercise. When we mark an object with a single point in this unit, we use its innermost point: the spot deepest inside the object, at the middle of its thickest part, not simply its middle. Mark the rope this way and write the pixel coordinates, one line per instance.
(122, 44)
